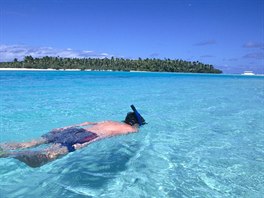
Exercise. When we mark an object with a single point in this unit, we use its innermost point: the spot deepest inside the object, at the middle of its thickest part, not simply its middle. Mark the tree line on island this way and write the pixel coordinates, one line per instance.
(114, 64)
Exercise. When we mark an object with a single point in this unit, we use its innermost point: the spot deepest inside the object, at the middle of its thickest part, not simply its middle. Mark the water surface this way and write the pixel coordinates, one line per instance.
(204, 137)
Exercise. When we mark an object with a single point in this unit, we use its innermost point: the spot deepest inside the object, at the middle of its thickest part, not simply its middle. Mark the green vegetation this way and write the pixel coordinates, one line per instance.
(115, 64)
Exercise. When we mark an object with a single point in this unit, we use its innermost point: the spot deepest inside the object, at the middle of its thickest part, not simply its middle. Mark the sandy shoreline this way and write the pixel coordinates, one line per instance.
(33, 69)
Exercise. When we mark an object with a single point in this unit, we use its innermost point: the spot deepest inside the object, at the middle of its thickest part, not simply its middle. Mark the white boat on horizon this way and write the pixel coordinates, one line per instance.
(248, 73)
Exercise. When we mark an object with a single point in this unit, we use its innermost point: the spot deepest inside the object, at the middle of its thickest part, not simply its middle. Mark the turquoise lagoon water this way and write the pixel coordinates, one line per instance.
(204, 137)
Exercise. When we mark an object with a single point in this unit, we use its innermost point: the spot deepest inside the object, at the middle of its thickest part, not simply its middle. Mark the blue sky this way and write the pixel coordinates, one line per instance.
(226, 33)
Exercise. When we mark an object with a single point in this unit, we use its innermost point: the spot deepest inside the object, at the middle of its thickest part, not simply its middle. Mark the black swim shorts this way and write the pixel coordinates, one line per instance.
(69, 136)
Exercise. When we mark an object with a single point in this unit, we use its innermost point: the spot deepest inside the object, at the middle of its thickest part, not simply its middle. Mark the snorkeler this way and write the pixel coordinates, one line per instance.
(68, 139)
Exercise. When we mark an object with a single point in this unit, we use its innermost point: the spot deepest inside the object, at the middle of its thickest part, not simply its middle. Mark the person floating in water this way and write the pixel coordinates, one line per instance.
(68, 139)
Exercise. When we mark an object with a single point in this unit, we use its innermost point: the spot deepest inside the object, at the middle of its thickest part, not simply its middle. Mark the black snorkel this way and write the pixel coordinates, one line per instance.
(140, 119)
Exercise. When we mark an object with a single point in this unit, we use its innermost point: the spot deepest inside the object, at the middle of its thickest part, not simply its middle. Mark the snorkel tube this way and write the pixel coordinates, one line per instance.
(139, 117)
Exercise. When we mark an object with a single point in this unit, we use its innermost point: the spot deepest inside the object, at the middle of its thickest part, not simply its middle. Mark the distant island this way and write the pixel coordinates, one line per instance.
(113, 64)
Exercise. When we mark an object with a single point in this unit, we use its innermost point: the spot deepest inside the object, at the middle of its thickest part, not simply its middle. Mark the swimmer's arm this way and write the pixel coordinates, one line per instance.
(82, 124)
(87, 123)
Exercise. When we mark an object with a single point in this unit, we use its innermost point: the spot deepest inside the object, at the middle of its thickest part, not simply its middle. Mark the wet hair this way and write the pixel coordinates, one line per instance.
(131, 119)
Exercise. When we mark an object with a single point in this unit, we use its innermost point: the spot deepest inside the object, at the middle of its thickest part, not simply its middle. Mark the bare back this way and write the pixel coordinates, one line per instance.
(110, 128)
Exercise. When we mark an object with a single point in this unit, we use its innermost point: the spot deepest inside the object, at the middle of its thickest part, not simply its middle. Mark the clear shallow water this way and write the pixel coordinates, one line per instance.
(205, 136)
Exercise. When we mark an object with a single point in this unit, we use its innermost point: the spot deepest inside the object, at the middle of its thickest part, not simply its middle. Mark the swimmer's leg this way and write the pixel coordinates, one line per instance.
(21, 145)
(38, 158)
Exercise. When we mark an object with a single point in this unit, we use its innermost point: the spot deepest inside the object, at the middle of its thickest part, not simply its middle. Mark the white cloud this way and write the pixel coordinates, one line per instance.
(104, 54)
(251, 44)
(9, 52)
(205, 43)
(256, 55)
(87, 51)
(207, 56)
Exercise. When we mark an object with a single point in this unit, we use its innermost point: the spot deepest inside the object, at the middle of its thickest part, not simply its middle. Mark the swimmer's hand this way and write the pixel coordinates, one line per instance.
(77, 146)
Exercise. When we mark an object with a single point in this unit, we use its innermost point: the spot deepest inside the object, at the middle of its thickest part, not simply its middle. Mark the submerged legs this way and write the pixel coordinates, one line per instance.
(21, 145)
(37, 158)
